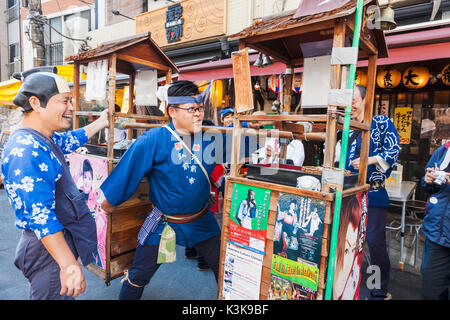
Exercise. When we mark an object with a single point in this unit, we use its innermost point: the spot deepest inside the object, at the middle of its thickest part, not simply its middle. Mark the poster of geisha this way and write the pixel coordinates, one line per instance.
(299, 228)
(89, 172)
(249, 213)
(350, 247)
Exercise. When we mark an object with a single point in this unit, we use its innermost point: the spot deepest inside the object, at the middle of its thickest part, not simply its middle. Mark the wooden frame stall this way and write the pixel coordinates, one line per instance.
(125, 56)
(286, 33)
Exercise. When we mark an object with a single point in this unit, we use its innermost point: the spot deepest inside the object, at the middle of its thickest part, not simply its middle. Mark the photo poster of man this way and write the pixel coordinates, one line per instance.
(242, 274)
(299, 228)
(350, 247)
(296, 272)
(89, 172)
(249, 214)
(283, 289)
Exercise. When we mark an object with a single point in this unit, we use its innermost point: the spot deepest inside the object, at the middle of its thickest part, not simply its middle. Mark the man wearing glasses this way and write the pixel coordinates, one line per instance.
(178, 167)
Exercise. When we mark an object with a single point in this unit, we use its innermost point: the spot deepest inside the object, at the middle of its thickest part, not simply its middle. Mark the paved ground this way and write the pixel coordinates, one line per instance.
(179, 280)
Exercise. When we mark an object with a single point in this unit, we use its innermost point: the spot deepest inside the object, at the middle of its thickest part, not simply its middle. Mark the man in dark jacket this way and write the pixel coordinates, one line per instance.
(436, 227)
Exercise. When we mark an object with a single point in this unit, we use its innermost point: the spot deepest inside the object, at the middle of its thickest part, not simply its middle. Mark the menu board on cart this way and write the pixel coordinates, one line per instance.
(249, 214)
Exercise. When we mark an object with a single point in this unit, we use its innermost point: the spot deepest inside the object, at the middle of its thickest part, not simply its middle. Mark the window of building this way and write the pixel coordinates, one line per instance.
(11, 3)
(14, 51)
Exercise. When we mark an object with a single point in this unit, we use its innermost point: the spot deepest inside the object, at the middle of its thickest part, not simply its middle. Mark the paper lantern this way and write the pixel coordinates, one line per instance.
(217, 92)
(297, 83)
(389, 78)
(361, 78)
(416, 77)
(445, 75)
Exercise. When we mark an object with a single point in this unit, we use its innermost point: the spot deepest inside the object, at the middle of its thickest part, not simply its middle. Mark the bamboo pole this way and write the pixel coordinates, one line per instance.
(343, 157)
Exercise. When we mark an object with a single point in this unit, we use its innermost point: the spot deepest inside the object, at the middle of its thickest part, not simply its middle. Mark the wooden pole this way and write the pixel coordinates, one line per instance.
(111, 107)
(368, 112)
(131, 102)
(336, 76)
(76, 94)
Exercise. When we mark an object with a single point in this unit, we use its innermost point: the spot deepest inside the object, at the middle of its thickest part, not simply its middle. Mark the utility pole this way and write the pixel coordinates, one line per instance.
(36, 32)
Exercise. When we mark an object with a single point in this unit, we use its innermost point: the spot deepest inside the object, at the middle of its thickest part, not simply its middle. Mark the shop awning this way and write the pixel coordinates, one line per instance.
(9, 88)
(223, 69)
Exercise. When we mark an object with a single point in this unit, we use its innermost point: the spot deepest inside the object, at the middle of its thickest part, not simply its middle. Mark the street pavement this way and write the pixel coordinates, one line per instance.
(174, 281)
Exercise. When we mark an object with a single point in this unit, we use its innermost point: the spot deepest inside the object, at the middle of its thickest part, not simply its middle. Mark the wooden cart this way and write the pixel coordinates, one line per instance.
(280, 38)
(125, 56)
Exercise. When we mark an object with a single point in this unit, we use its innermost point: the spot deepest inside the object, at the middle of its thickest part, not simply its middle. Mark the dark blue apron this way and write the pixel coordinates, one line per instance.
(70, 206)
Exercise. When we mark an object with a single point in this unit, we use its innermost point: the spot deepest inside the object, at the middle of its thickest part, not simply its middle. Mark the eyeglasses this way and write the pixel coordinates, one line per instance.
(192, 110)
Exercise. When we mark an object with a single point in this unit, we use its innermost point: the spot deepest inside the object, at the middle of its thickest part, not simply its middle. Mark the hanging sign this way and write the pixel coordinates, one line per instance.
(297, 83)
(416, 77)
(272, 83)
(389, 78)
(403, 123)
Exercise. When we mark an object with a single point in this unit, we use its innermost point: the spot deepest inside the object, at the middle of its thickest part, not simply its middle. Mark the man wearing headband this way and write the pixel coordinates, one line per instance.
(58, 226)
(179, 175)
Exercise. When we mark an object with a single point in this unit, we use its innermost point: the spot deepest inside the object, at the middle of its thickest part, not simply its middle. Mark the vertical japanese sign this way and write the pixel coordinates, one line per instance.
(174, 23)
(249, 214)
(403, 123)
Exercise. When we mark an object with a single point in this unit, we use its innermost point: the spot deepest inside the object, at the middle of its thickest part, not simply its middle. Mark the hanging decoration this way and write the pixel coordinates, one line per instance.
(297, 83)
(416, 77)
(445, 75)
(361, 78)
(389, 78)
(217, 93)
(272, 83)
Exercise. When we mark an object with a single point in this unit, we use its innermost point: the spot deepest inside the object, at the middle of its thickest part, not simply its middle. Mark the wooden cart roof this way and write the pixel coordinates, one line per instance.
(280, 35)
(133, 53)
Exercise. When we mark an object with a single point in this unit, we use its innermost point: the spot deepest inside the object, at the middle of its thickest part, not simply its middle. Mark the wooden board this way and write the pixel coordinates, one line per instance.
(242, 81)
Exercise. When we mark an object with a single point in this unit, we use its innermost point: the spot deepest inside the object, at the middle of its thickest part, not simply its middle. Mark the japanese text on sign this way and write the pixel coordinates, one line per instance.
(403, 123)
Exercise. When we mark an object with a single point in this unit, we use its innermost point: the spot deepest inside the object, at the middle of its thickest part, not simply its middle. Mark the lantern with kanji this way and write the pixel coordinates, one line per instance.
(416, 77)
(361, 78)
(445, 75)
(297, 83)
(389, 78)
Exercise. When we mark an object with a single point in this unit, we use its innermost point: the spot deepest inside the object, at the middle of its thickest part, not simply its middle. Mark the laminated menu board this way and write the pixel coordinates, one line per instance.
(249, 214)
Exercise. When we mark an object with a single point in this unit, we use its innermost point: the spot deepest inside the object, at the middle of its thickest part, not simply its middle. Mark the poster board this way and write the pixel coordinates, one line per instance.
(89, 172)
(310, 261)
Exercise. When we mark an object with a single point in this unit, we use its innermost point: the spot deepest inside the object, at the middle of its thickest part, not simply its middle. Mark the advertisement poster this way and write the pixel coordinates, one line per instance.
(89, 172)
(242, 274)
(299, 228)
(249, 213)
(297, 272)
(282, 289)
(350, 247)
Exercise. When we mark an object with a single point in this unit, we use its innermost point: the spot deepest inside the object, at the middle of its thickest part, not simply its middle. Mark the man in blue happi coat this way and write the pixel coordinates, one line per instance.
(383, 154)
(179, 187)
